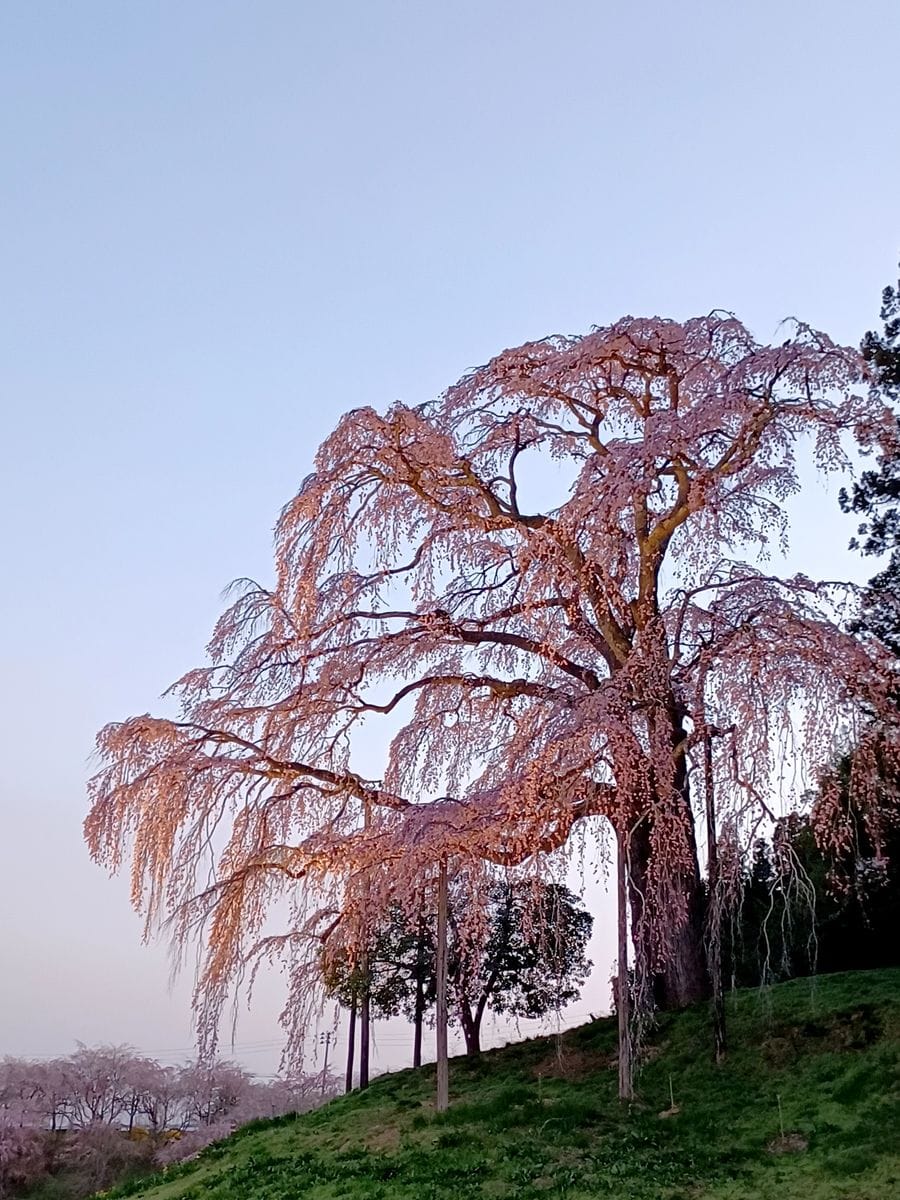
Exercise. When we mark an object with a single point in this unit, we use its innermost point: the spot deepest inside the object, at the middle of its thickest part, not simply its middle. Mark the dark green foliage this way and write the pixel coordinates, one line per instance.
(541, 1119)
(395, 961)
(804, 912)
(531, 962)
(876, 496)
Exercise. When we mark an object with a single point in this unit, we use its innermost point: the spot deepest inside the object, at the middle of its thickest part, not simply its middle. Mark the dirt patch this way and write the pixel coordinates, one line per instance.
(572, 1064)
(788, 1143)
(851, 1029)
(386, 1138)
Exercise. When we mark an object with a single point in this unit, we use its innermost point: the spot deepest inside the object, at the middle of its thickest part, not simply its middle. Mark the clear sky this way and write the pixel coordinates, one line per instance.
(225, 223)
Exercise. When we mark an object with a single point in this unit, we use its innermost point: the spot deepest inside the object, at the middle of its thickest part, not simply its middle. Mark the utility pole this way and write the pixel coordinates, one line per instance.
(325, 1039)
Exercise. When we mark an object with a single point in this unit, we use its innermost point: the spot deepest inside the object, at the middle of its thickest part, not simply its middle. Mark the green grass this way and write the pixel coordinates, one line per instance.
(540, 1119)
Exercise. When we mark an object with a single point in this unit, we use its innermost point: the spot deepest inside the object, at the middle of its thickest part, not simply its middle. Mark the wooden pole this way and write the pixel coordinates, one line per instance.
(364, 1004)
(443, 1067)
(364, 1024)
(418, 1022)
(351, 1046)
(623, 996)
(714, 956)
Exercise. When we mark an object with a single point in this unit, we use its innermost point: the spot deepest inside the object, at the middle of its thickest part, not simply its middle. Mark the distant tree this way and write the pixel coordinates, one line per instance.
(526, 960)
(105, 1113)
(23, 1157)
(102, 1085)
(163, 1096)
(531, 962)
(213, 1091)
(394, 974)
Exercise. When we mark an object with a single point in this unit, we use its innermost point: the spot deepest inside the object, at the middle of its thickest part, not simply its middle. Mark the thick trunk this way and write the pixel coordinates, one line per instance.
(351, 1047)
(678, 971)
(681, 978)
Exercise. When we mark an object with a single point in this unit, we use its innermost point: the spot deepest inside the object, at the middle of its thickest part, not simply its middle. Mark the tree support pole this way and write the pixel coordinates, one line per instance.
(351, 1046)
(364, 1025)
(442, 1102)
(714, 953)
(365, 1016)
(623, 997)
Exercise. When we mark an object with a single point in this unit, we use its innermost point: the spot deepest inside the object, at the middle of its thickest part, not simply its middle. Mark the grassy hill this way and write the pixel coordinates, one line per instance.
(541, 1118)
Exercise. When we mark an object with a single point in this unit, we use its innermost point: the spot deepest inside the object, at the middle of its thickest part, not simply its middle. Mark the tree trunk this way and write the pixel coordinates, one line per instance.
(351, 1047)
(681, 978)
(471, 1027)
(442, 1102)
(623, 998)
(418, 1021)
(364, 1025)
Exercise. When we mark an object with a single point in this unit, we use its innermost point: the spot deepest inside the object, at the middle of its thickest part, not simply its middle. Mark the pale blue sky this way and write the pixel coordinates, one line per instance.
(225, 223)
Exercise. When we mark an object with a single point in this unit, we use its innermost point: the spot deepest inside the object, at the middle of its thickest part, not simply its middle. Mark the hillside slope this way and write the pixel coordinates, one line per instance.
(541, 1119)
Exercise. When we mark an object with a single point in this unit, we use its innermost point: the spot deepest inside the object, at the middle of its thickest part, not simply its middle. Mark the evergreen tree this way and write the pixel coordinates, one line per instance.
(876, 496)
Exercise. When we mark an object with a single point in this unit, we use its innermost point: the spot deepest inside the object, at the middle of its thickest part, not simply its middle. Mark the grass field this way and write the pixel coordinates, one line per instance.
(807, 1107)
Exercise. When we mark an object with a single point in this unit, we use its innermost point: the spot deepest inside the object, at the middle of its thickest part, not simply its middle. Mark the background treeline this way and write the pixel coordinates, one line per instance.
(803, 912)
(525, 957)
(73, 1125)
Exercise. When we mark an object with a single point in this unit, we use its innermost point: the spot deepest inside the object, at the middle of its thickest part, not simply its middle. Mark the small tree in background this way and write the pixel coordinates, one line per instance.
(532, 961)
(528, 961)
(397, 974)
